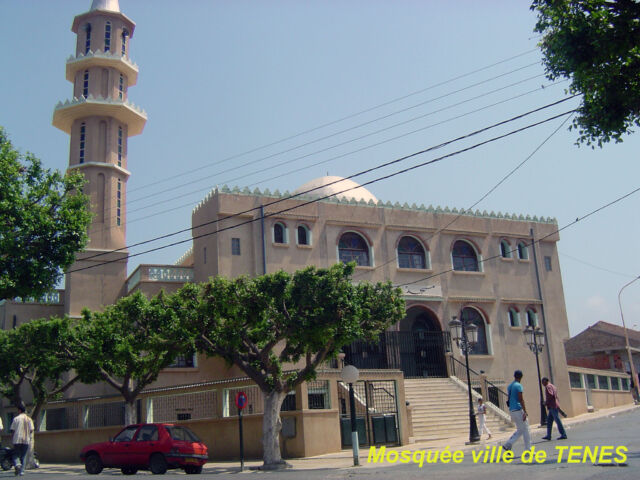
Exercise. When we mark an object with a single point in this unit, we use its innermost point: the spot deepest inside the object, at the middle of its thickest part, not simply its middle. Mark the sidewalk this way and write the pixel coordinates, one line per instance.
(344, 458)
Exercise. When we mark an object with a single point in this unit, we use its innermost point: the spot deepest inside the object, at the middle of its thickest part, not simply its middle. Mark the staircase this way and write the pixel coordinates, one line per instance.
(441, 409)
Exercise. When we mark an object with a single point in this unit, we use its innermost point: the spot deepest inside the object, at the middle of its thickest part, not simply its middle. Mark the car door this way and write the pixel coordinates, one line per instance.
(144, 444)
(118, 453)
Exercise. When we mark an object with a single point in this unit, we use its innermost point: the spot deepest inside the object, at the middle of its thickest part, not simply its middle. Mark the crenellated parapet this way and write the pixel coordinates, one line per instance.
(91, 59)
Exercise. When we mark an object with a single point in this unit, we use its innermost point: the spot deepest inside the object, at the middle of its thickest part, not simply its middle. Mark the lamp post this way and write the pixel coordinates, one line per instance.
(465, 335)
(350, 375)
(634, 375)
(535, 340)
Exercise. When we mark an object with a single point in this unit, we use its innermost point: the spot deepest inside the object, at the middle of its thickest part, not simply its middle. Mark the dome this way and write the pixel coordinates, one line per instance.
(109, 5)
(325, 186)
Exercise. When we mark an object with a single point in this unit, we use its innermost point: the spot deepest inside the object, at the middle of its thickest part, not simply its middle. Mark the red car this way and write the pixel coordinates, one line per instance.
(149, 446)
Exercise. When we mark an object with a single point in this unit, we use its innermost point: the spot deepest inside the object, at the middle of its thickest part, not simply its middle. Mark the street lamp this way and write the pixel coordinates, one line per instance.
(350, 375)
(465, 335)
(634, 376)
(535, 340)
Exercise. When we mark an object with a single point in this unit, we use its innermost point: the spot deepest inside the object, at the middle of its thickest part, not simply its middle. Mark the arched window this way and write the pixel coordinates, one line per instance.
(532, 317)
(303, 235)
(411, 254)
(464, 257)
(107, 36)
(472, 315)
(279, 233)
(505, 249)
(352, 247)
(83, 137)
(523, 251)
(85, 84)
(125, 34)
(87, 41)
(514, 317)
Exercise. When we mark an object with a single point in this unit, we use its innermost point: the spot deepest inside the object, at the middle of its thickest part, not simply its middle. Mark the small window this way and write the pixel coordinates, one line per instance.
(603, 382)
(505, 249)
(87, 41)
(514, 317)
(147, 433)
(118, 215)
(352, 247)
(318, 394)
(303, 235)
(547, 263)
(464, 257)
(411, 254)
(121, 87)
(289, 402)
(83, 131)
(85, 84)
(235, 246)
(107, 37)
(523, 251)
(280, 233)
(532, 318)
(204, 255)
(125, 34)
(615, 383)
(120, 137)
(575, 379)
(126, 435)
(184, 361)
(625, 383)
(591, 381)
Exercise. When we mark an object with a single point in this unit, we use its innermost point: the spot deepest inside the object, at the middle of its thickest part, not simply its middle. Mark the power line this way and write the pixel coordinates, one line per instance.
(597, 267)
(405, 170)
(369, 170)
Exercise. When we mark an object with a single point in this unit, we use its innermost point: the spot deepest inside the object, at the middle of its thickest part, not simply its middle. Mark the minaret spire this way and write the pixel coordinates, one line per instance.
(99, 119)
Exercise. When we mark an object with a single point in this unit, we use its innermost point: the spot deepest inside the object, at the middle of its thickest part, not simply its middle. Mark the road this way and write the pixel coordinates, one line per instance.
(621, 430)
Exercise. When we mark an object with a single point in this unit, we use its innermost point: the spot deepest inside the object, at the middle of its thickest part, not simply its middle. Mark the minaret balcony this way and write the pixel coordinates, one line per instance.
(122, 110)
(102, 59)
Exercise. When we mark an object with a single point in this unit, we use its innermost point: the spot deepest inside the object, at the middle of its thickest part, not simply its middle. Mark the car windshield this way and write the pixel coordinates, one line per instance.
(182, 433)
(127, 434)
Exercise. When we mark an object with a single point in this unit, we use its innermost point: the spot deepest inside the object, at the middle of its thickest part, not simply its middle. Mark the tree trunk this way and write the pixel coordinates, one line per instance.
(130, 414)
(271, 425)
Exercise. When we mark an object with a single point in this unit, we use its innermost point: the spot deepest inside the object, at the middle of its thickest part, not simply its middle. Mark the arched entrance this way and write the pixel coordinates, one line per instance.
(422, 344)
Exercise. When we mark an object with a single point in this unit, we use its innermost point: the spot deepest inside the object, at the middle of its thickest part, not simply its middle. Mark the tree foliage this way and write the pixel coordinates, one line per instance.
(278, 328)
(129, 343)
(43, 223)
(595, 43)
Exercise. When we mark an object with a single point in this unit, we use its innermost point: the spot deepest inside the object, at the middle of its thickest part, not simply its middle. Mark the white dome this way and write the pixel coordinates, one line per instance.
(325, 186)
(109, 5)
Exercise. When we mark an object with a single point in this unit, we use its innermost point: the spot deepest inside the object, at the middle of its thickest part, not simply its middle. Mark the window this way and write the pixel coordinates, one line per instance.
(352, 247)
(615, 383)
(125, 34)
(184, 361)
(83, 131)
(575, 379)
(85, 84)
(547, 263)
(532, 318)
(473, 316)
(107, 36)
(126, 435)
(87, 41)
(514, 317)
(523, 251)
(318, 394)
(303, 235)
(289, 403)
(591, 381)
(119, 196)
(464, 257)
(121, 87)
(204, 255)
(625, 383)
(147, 433)
(280, 233)
(411, 254)
(505, 249)
(120, 144)
(235, 246)
(603, 382)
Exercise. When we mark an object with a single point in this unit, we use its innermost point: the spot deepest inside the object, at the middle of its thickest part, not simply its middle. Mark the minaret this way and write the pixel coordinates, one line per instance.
(100, 119)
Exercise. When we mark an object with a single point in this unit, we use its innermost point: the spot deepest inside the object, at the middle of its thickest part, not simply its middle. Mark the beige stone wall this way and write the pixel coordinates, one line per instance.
(586, 398)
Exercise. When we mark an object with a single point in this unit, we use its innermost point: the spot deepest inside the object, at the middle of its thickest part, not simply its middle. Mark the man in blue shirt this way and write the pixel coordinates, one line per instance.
(518, 412)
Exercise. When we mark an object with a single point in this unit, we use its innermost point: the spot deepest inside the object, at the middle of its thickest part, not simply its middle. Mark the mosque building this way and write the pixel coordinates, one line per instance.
(482, 267)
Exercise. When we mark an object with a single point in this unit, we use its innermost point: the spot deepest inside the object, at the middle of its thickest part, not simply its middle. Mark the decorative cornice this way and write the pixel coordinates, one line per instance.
(99, 58)
(393, 206)
(79, 166)
(184, 256)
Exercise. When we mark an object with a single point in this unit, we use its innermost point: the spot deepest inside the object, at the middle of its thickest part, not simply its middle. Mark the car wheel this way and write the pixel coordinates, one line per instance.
(192, 469)
(157, 464)
(93, 464)
(6, 463)
(129, 470)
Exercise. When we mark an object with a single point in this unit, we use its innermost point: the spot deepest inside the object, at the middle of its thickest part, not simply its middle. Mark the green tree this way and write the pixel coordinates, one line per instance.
(129, 343)
(278, 328)
(43, 223)
(595, 43)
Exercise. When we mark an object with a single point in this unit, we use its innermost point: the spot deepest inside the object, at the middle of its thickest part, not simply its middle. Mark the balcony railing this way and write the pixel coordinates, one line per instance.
(160, 273)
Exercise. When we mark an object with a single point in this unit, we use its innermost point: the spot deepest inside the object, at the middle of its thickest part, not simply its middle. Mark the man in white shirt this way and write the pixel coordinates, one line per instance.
(22, 429)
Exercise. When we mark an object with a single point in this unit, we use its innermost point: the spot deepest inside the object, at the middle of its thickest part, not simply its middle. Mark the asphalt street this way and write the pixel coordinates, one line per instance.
(621, 430)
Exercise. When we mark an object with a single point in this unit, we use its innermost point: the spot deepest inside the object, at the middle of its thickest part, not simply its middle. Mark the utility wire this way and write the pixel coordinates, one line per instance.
(267, 215)
(597, 267)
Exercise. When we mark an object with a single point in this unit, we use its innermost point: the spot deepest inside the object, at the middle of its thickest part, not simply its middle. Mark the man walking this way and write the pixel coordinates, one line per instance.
(553, 407)
(22, 429)
(518, 412)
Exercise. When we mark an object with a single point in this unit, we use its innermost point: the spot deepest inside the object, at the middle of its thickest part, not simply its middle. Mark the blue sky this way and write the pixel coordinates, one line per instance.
(220, 78)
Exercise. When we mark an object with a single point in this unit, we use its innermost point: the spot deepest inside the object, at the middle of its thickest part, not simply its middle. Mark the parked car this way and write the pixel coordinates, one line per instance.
(149, 446)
